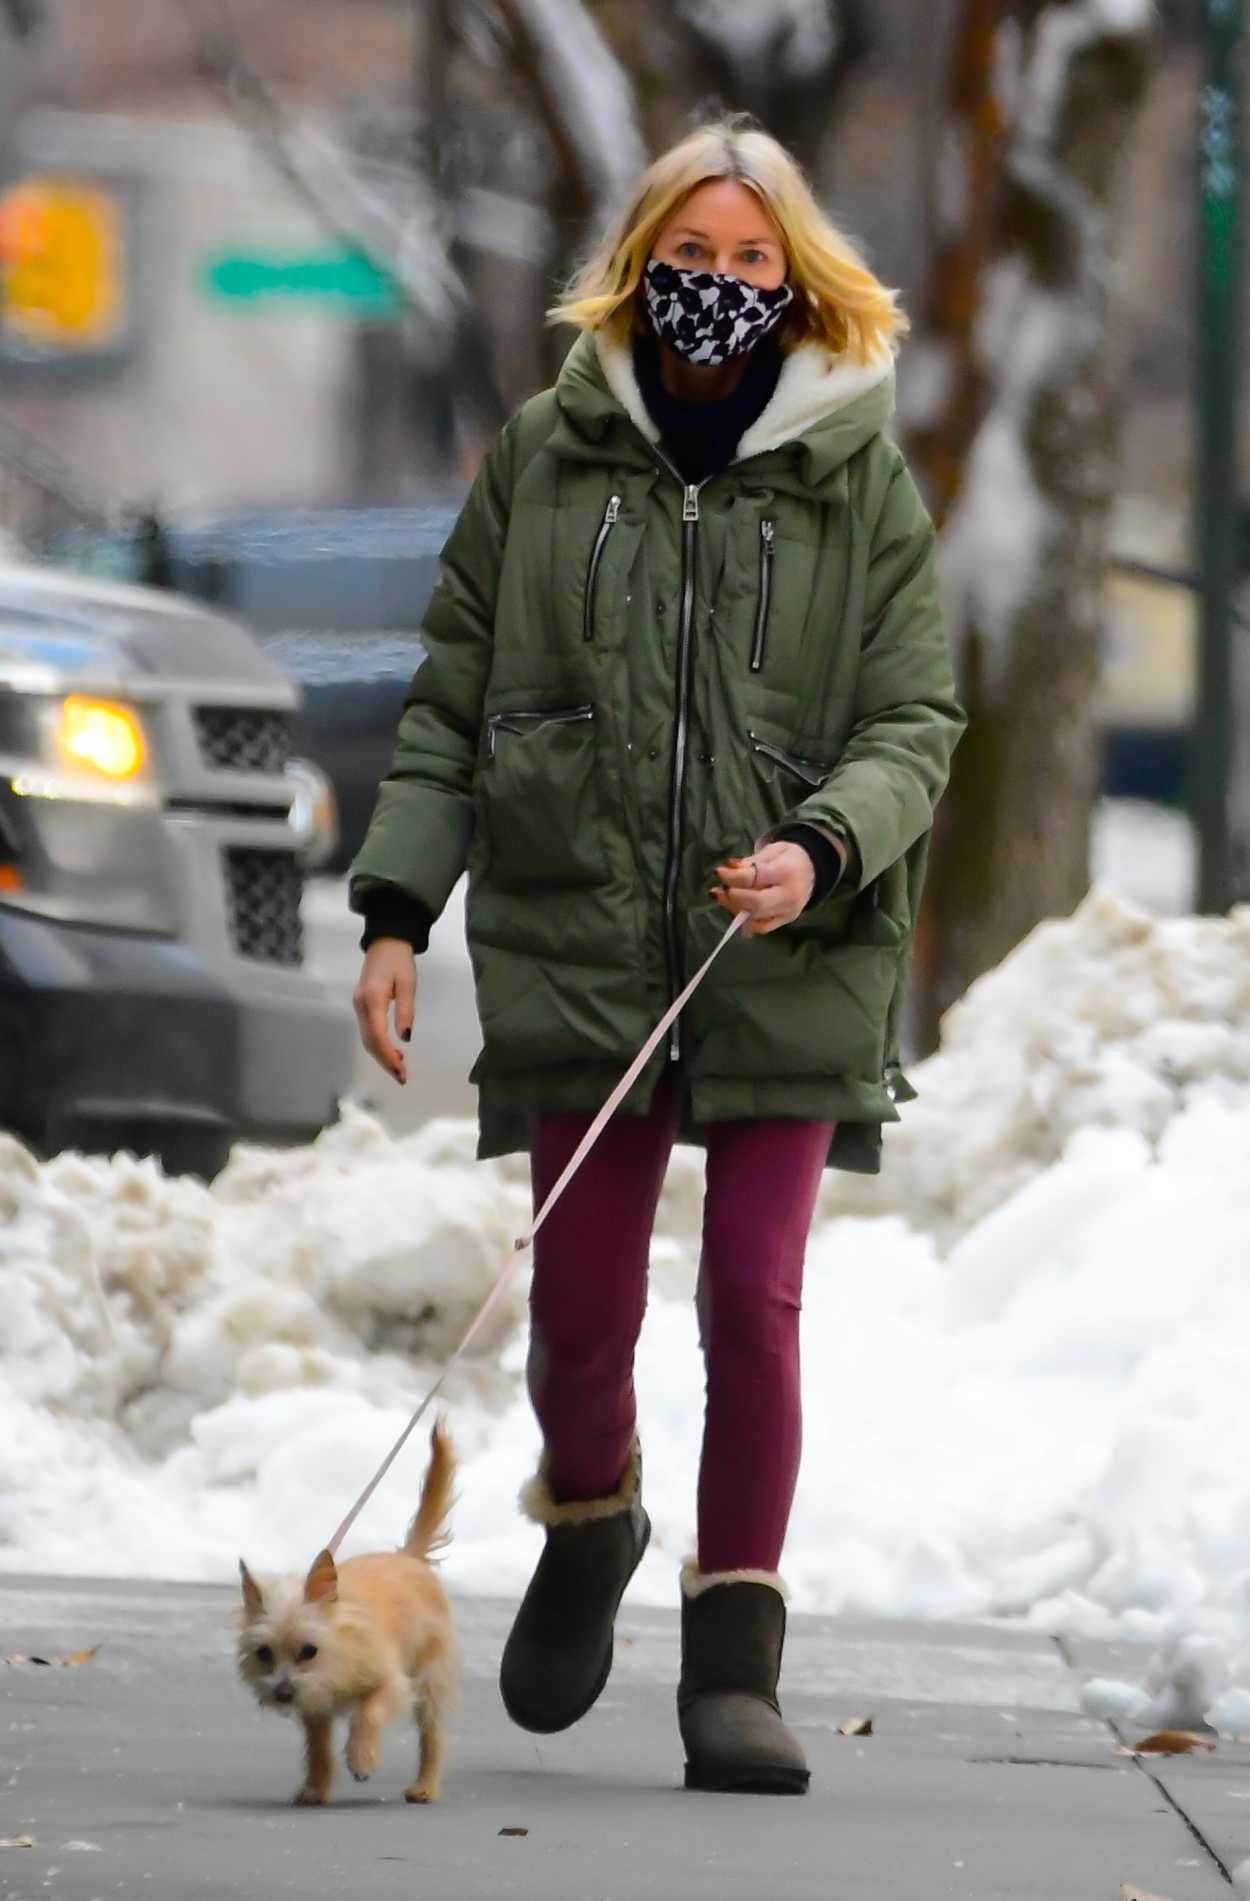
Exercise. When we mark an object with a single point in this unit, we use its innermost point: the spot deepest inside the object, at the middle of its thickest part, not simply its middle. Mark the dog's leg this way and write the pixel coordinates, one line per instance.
(364, 1737)
(318, 1762)
(431, 1715)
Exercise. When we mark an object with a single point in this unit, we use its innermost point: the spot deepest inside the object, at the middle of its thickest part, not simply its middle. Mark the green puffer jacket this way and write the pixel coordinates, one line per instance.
(626, 681)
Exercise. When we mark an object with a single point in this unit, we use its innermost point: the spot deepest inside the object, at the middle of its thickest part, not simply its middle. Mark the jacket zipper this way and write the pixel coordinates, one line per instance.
(611, 516)
(767, 540)
(498, 722)
(807, 769)
(685, 628)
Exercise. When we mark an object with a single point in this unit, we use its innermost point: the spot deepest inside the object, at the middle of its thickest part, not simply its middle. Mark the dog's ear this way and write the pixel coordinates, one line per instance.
(322, 1583)
(253, 1602)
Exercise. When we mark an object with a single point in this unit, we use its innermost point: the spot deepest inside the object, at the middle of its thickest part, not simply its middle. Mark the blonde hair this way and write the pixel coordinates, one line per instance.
(838, 301)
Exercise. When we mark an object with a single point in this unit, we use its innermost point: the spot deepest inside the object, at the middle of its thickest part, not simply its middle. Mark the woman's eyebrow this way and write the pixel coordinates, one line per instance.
(688, 231)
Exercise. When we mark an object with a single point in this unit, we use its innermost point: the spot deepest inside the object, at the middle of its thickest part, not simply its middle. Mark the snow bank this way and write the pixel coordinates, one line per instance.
(1113, 1020)
(1025, 1345)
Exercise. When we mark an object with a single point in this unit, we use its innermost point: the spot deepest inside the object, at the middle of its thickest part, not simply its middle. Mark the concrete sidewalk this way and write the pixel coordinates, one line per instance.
(149, 1772)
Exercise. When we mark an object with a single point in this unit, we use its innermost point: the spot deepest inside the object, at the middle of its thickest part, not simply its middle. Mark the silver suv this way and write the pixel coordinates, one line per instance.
(153, 839)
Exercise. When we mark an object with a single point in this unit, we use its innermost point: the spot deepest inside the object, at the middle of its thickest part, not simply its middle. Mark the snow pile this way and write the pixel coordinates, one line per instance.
(176, 1358)
(1110, 1020)
(1025, 1368)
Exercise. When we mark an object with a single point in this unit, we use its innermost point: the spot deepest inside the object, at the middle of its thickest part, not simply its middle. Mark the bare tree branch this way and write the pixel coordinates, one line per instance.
(411, 250)
(785, 61)
(585, 99)
(43, 468)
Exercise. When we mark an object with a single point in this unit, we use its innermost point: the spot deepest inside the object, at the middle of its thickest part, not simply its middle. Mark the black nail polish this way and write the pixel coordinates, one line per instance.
(405, 1036)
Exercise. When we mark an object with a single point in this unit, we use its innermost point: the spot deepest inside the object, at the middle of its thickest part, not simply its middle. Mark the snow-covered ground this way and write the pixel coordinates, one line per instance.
(1026, 1344)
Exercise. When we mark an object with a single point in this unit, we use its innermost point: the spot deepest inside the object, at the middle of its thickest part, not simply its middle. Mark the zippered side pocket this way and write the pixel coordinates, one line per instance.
(514, 720)
(541, 800)
(813, 771)
(611, 515)
(767, 553)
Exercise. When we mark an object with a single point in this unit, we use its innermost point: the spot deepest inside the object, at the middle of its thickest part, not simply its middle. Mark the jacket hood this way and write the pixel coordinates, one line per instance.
(822, 411)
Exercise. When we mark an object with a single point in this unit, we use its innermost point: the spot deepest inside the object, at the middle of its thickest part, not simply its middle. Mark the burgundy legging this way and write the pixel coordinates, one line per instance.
(590, 1292)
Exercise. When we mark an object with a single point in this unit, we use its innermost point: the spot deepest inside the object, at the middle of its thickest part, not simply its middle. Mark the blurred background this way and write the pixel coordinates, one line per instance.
(271, 277)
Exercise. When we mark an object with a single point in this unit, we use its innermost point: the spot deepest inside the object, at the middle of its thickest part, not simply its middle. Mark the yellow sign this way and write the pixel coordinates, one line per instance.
(62, 266)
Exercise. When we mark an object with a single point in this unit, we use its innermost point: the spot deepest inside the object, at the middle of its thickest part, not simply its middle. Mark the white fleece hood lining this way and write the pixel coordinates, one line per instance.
(812, 386)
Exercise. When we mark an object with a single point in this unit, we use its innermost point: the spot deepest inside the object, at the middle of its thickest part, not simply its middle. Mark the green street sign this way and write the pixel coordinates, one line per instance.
(335, 277)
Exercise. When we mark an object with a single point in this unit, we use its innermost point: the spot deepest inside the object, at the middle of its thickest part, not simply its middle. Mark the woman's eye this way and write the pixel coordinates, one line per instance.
(753, 257)
(264, 1654)
(307, 1654)
(687, 248)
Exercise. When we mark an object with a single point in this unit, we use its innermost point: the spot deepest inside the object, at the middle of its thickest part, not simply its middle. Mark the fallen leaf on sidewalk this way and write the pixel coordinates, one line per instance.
(68, 1662)
(856, 1726)
(1168, 1742)
(17, 1841)
(1129, 1893)
(514, 1831)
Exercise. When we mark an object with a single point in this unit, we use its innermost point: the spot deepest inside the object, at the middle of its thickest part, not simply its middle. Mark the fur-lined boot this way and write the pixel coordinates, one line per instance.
(733, 1627)
(559, 1654)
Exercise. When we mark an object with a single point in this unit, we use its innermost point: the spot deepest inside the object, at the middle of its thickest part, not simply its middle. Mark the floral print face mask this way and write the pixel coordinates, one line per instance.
(707, 316)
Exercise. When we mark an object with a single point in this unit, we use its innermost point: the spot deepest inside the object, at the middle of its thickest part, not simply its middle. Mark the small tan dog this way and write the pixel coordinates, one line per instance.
(371, 1638)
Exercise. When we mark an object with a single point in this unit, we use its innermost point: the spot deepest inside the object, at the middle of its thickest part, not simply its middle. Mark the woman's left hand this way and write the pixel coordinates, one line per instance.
(772, 886)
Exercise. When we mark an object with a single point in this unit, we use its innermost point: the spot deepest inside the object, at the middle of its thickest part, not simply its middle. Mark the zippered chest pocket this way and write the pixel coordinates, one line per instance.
(764, 596)
(611, 515)
(777, 571)
(539, 799)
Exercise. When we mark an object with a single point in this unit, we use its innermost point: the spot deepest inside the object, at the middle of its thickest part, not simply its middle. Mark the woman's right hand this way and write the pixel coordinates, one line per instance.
(388, 975)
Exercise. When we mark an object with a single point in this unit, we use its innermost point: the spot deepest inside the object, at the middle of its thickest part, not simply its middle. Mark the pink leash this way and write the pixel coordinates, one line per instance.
(526, 1240)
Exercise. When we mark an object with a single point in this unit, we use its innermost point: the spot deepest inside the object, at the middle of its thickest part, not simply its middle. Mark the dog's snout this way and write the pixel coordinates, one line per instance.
(284, 1693)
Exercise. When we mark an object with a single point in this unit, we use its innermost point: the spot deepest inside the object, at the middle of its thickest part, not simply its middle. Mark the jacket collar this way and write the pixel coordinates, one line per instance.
(824, 408)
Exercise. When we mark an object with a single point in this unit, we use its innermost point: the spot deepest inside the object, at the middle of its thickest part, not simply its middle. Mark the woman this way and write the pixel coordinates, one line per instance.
(686, 622)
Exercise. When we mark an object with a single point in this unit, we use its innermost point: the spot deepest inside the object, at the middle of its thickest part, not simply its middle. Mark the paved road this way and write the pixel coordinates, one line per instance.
(147, 1772)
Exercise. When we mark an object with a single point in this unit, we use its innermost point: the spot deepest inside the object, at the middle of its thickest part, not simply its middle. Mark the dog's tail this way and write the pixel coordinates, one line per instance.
(428, 1533)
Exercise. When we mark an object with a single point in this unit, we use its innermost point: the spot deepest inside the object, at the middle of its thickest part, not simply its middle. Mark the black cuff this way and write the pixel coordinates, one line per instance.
(826, 860)
(395, 913)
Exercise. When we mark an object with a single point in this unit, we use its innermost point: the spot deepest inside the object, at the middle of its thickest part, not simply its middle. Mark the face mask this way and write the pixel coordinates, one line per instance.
(707, 316)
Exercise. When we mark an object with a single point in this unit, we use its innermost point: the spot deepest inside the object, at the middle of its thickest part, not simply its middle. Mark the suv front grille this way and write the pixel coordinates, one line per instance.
(243, 738)
(263, 890)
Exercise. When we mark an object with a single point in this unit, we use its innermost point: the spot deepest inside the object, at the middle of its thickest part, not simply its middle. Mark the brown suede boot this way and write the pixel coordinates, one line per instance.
(733, 1626)
(559, 1653)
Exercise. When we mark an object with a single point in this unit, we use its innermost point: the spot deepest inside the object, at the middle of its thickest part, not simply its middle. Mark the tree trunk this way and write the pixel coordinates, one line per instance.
(1023, 555)
(967, 202)
(688, 58)
(788, 67)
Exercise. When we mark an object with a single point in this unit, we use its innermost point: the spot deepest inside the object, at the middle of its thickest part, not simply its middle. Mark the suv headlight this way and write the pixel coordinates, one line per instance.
(80, 808)
(100, 736)
(80, 748)
(314, 814)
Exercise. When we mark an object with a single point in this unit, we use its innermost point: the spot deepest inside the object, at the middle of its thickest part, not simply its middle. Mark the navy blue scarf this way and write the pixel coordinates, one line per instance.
(701, 439)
